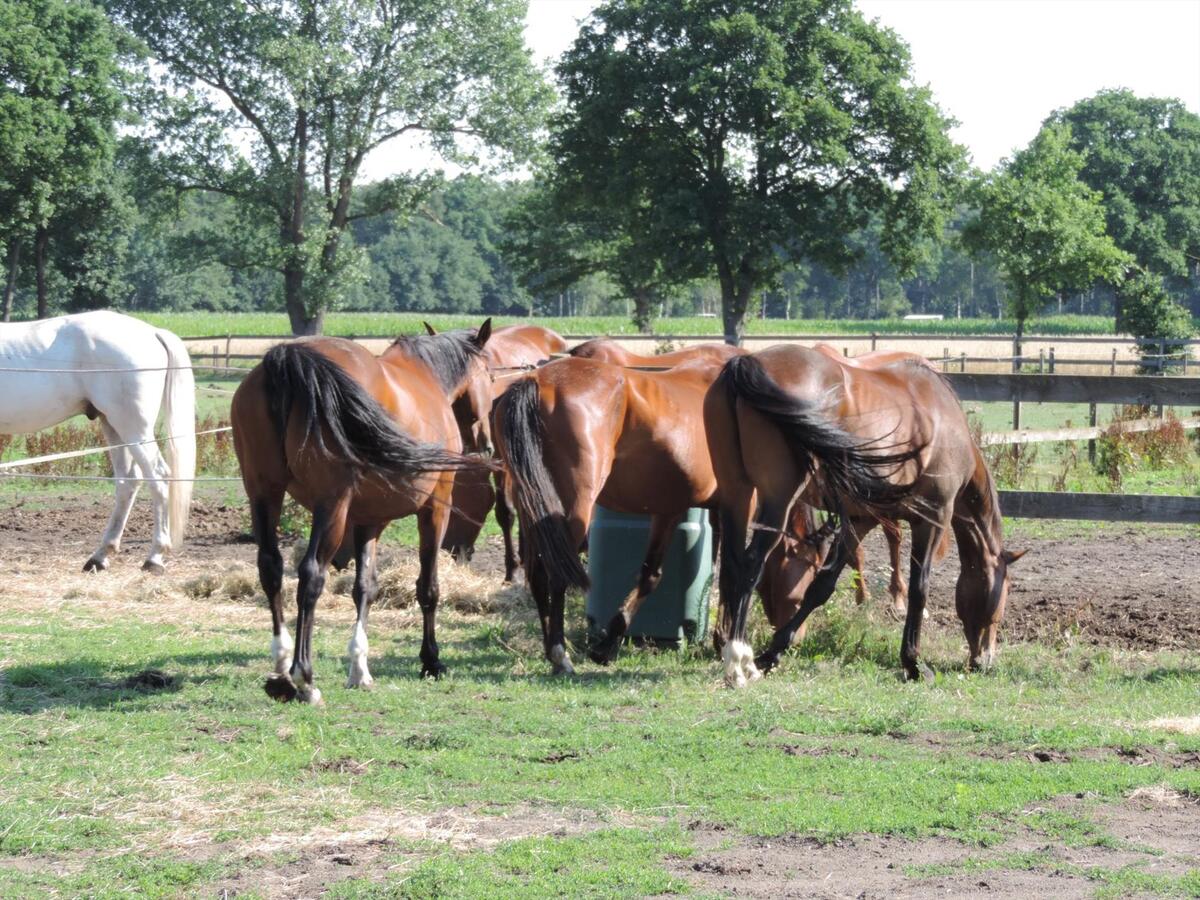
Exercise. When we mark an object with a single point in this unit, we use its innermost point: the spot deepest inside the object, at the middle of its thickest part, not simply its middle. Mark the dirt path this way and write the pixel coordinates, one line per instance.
(1131, 590)
(1157, 832)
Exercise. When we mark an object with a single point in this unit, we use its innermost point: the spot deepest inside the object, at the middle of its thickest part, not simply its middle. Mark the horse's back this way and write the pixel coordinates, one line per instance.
(38, 388)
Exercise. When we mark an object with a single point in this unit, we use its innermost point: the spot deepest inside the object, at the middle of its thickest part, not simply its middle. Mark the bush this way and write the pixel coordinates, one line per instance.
(1149, 313)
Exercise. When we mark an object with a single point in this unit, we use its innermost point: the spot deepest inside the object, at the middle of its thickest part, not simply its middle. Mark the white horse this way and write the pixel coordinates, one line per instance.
(122, 371)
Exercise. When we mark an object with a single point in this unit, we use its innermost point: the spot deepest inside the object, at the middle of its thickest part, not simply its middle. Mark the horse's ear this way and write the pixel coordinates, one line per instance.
(484, 332)
(1011, 556)
(429, 329)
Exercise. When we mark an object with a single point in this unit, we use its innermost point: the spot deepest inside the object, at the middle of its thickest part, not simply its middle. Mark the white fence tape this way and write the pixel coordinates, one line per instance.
(72, 454)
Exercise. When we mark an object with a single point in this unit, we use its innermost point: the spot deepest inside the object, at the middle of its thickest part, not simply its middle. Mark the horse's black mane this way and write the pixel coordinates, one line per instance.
(448, 353)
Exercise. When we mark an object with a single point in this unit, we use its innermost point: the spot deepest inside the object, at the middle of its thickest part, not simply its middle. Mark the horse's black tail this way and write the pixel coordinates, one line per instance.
(522, 448)
(852, 468)
(341, 420)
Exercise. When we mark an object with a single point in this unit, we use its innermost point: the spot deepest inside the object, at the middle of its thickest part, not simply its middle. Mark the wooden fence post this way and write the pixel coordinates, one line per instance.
(1051, 360)
(1042, 361)
(945, 359)
(1092, 441)
(228, 341)
(1016, 367)
(216, 358)
(962, 366)
(1113, 369)
(873, 337)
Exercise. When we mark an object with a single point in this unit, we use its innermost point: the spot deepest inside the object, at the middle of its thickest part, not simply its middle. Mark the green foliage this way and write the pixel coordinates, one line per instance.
(1148, 311)
(310, 88)
(728, 142)
(60, 96)
(1143, 155)
(1044, 226)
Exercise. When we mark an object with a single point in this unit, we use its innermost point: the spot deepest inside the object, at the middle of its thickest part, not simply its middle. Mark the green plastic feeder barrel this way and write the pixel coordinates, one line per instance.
(678, 608)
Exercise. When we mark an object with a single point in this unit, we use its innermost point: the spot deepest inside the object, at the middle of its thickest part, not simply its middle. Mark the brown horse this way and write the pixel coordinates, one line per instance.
(609, 351)
(579, 432)
(508, 350)
(793, 424)
(359, 440)
(794, 562)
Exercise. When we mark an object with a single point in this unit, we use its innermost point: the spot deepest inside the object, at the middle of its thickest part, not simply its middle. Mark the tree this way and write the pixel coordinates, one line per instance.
(278, 103)
(1143, 155)
(734, 138)
(1044, 226)
(59, 101)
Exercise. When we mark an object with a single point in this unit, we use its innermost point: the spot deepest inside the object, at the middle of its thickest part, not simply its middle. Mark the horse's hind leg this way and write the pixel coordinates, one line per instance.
(153, 466)
(124, 473)
(264, 516)
(662, 528)
(366, 586)
(747, 566)
(328, 528)
(896, 587)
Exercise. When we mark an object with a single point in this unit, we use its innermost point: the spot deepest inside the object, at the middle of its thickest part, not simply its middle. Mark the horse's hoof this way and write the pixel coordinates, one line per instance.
(309, 695)
(95, 565)
(765, 663)
(154, 568)
(434, 671)
(281, 688)
(919, 672)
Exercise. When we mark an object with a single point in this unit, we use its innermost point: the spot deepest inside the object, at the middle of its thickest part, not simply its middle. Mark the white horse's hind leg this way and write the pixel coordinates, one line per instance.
(124, 471)
(150, 461)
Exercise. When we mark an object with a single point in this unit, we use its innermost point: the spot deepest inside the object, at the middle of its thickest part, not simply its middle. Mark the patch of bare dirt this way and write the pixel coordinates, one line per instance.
(1156, 830)
(1123, 590)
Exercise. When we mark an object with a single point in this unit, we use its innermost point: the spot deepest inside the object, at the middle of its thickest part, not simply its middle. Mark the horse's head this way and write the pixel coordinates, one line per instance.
(457, 361)
(473, 406)
(980, 596)
(792, 565)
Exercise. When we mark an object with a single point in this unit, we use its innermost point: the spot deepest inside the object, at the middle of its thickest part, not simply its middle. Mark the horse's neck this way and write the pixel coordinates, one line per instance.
(977, 516)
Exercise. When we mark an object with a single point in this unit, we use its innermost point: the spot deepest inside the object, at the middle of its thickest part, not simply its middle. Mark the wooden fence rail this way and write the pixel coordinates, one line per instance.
(1102, 507)
(1128, 389)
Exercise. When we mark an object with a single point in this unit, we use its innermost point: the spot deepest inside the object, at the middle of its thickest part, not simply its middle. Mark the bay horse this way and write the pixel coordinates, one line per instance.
(609, 351)
(123, 373)
(794, 561)
(579, 432)
(794, 425)
(509, 348)
(359, 441)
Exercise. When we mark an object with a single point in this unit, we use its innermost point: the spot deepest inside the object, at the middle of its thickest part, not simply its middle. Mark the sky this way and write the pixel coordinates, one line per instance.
(999, 67)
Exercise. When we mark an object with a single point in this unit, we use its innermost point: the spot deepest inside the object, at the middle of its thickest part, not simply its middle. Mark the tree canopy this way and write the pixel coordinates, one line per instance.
(1044, 226)
(60, 96)
(278, 103)
(731, 138)
(1143, 155)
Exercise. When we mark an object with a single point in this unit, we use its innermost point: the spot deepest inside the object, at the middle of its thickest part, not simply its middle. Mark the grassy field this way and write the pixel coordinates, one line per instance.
(201, 324)
(502, 781)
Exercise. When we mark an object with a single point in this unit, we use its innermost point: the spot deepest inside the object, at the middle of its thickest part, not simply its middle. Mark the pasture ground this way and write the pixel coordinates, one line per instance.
(139, 755)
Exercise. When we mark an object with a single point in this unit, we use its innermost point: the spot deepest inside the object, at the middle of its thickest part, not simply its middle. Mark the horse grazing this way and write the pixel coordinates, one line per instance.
(579, 432)
(509, 348)
(121, 372)
(609, 351)
(794, 561)
(359, 440)
(793, 424)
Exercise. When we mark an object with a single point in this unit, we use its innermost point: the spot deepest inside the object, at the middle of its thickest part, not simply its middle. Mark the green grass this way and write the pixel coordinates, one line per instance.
(96, 778)
(204, 324)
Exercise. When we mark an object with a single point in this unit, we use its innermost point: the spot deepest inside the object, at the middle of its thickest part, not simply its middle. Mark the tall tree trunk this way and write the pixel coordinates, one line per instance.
(39, 262)
(642, 312)
(10, 284)
(293, 233)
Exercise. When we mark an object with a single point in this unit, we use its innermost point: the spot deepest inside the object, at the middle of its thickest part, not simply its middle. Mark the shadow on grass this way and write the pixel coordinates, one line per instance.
(91, 684)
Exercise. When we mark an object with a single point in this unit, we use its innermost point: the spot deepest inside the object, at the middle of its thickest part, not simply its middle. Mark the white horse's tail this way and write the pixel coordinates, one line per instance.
(179, 420)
